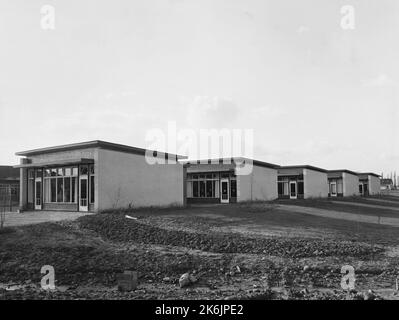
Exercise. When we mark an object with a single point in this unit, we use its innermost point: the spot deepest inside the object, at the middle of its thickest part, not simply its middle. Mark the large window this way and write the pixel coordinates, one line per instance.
(60, 185)
(283, 184)
(204, 185)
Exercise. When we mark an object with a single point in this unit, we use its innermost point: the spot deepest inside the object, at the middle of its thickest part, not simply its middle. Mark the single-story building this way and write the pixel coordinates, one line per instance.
(342, 183)
(369, 183)
(98, 175)
(229, 180)
(386, 184)
(302, 182)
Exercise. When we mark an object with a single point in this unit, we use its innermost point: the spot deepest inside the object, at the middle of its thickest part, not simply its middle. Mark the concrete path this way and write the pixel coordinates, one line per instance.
(33, 217)
(383, 201)
(341, 215)
(374, 206)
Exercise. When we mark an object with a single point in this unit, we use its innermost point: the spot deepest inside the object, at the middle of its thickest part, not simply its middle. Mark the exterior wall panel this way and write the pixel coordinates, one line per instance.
(127, 179)
(374, 185)
(261, 184)
(315, 184)
(351, 184)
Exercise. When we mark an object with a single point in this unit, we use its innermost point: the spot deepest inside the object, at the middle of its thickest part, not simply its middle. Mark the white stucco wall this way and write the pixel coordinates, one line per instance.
(350, 184)
(374, 185)
(261, 184)
(315, 184)
(125, 178)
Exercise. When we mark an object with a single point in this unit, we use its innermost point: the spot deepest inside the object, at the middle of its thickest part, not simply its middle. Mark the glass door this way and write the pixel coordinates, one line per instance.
(84, 189)
(38, 194)
(293, 192)
(225, 191)
(333, 189)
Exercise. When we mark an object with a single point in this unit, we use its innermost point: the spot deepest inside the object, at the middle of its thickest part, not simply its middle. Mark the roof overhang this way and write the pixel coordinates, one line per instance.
(301, 167)
(340, 171)
(56, 163)
(365, 174)
(102, 145)
(233, 160)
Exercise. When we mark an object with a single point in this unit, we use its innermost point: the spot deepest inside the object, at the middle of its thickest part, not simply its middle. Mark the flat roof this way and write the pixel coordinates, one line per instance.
(368, 173)
(97, 144)
(303, 167)
(343, 170)
(233, 160)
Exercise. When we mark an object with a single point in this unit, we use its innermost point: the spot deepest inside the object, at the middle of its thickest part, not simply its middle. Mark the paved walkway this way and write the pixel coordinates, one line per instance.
(374, 206)
(33, 217)
(341, 215)
(383, 201)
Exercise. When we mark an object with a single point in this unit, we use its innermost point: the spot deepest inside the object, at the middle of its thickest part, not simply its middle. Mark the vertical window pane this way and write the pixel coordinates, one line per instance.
(209, 188)
(280, 189)
(92, 189)
(47, 190)
(195, 189)
(217, 189)
(68, 171)
(285, 188)
(83, 189)
(300, 188)
(233, 188)
(202, 189)
(189, 189)
(73, 192)
(75, 171)
(67, 189)
(53, 190)
(60, 189)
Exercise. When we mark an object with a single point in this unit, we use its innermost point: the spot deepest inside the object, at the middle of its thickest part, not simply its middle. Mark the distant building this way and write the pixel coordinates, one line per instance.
(219, 181)
(342, 183)
(302, 182)
(369, 183)
(386, 184)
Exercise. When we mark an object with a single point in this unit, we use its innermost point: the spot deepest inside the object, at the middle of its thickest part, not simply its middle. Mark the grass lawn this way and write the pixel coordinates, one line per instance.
(349, 207)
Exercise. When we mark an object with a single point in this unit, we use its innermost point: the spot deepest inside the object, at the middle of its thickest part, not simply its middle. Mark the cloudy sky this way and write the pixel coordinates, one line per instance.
(311, 91)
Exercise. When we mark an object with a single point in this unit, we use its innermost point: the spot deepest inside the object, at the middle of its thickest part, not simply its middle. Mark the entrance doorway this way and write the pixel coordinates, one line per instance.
(293, 190)
(333, 189)
(84, 189)
(38, 194)
(225, 198)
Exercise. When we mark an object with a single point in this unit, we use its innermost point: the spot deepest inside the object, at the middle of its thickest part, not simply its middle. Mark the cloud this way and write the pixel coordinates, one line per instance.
(206, 112)
(302, 29)
(382, 80)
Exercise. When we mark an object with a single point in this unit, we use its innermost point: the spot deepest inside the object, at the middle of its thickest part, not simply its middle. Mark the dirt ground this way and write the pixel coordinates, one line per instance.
(241, 251)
